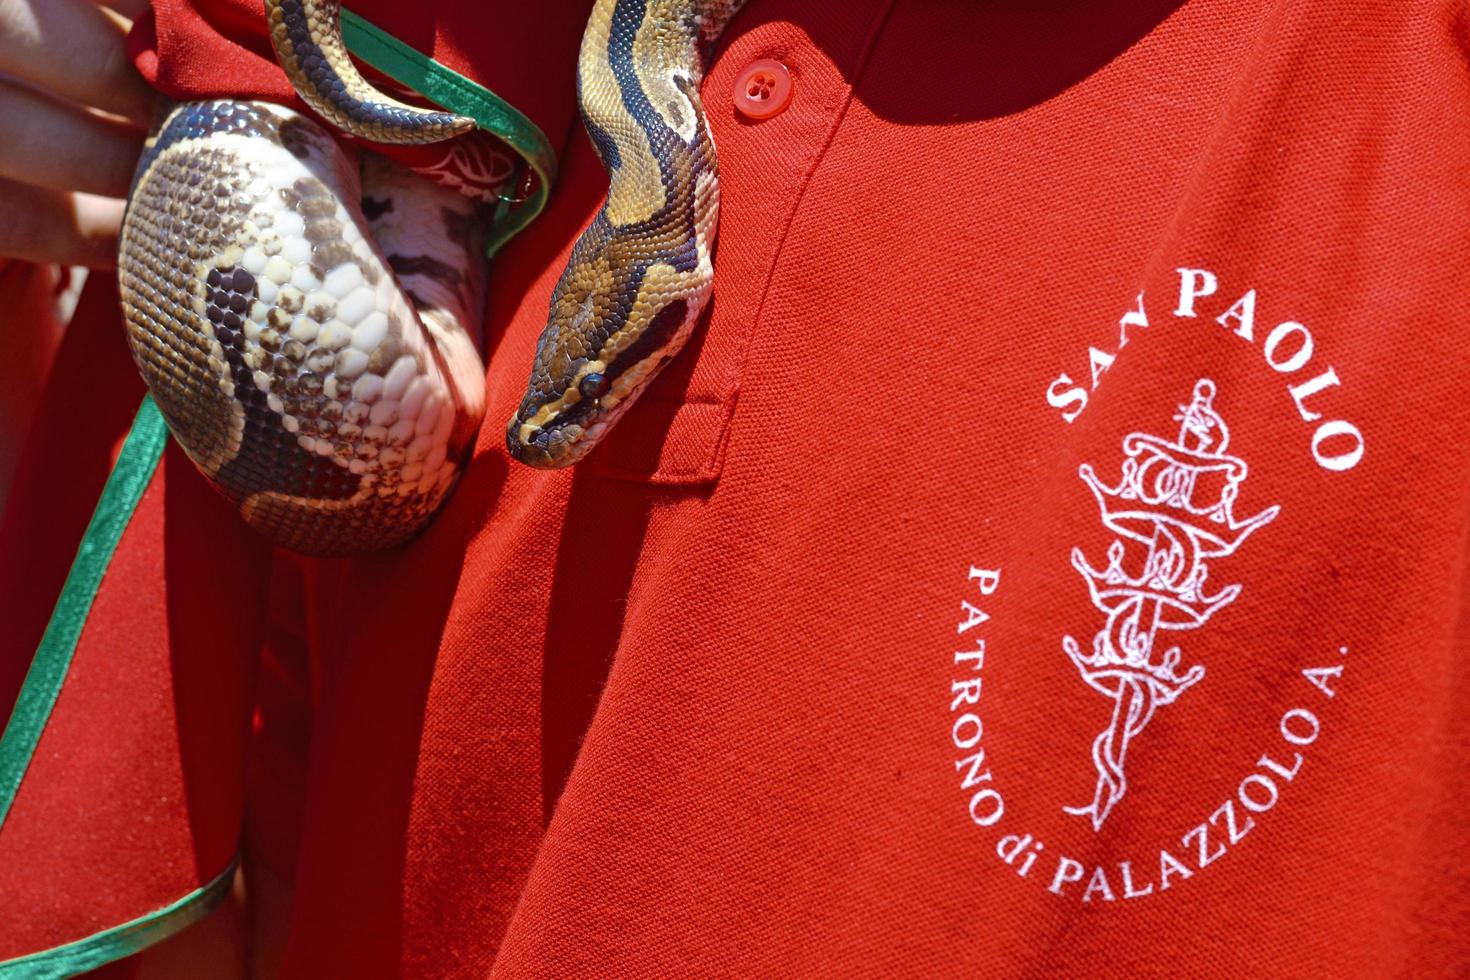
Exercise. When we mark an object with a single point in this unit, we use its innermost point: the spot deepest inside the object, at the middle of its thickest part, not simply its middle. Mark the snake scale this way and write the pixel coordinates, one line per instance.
(307, 316)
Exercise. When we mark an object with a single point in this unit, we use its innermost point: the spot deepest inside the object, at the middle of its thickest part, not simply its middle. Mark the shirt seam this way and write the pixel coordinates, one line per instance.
(738, 375)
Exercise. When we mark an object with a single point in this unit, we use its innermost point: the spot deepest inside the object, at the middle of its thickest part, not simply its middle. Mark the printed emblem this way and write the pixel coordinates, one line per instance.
(1172, 538)
(1174, 499)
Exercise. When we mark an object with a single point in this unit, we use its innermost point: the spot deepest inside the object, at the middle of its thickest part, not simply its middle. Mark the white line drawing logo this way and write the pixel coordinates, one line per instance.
(1175, 499)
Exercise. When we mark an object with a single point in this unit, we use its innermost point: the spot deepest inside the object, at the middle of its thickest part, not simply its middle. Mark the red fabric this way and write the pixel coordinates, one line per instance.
(30, 293)
(708, 703)
(84, 413)
(133, 797)
(285, 704)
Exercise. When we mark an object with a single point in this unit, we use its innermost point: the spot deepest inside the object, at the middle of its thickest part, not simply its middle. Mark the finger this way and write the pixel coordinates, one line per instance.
(54, 144)
(45, 225)
(72, 48)
(131, 9)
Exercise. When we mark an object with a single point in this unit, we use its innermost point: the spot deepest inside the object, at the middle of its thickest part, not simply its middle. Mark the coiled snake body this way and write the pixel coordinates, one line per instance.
(307, 321)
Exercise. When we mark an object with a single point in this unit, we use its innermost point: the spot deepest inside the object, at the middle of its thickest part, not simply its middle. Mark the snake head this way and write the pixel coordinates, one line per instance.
(623, 308)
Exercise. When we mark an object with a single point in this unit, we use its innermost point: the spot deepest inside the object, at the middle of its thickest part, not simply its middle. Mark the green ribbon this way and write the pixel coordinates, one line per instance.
(135, 465)
(103, 947)
(140, 454)
(448, 88)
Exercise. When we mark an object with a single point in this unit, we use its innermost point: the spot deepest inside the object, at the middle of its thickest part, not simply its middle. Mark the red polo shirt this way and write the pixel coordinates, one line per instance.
(1048, 556)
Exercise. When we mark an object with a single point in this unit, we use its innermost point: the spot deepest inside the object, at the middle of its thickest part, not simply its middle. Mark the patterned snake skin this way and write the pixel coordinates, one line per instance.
(306, 320)
(640, 275)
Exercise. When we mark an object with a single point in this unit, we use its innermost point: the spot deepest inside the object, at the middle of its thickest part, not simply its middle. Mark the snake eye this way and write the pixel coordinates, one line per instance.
(594, 386)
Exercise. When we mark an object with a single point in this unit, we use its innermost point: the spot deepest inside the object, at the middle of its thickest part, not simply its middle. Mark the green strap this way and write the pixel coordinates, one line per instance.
(454, 92)
(124, 940)
(135, 466)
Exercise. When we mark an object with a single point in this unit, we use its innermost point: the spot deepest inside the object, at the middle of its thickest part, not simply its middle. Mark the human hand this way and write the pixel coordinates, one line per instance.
(75, 113)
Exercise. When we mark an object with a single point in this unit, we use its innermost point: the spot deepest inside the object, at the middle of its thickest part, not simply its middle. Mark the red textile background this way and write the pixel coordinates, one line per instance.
(690, 708)
(131, 800)
(84, 413)
(29, 293)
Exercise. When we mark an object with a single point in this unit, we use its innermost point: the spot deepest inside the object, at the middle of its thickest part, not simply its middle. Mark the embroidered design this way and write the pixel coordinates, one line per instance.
(1174, 499)
(477, 164)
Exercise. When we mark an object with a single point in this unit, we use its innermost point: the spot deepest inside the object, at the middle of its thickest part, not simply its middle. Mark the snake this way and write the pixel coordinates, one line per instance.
(306, 313)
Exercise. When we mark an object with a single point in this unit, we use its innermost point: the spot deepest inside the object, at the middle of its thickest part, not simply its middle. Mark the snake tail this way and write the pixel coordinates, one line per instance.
(641, 273)
(307, 36)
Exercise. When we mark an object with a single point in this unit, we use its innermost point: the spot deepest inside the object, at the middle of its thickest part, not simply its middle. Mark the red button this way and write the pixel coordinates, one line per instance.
(763, 89)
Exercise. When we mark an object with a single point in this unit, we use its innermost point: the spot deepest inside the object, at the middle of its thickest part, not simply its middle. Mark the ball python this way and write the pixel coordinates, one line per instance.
(306, 317)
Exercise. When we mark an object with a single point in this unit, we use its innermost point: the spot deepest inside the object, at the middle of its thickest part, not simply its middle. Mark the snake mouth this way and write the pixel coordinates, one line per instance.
(554, 446)
(559, 426)
(558, 430)
(551, 432)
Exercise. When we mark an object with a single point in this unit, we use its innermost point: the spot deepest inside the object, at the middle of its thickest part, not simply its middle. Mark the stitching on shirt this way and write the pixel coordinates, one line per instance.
(734, 379)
